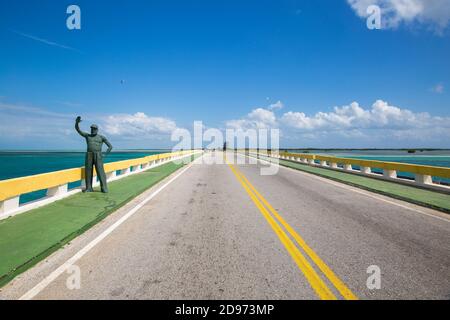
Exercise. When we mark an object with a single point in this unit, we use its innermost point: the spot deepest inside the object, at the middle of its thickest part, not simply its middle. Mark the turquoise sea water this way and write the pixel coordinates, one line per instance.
(14, 164)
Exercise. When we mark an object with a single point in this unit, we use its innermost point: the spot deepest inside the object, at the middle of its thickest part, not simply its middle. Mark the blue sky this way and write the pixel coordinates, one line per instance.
(142, 68)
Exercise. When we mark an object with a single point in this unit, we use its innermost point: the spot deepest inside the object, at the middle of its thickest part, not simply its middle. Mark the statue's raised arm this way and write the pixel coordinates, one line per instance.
(77, 127)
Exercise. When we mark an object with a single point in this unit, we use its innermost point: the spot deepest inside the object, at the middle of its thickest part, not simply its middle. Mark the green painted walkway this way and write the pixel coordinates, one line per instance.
(28, 238)
(427, 198)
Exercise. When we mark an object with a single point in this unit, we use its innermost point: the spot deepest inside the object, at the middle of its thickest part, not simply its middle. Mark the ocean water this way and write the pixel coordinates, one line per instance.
(14, 164)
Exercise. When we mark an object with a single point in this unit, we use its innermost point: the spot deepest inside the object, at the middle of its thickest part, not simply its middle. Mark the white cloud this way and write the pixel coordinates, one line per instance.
(381, 125)
(276, 106)
(138, 125)
(439, 88)
(380, 116)
(435, 13)
(257, 119)
(26, 127)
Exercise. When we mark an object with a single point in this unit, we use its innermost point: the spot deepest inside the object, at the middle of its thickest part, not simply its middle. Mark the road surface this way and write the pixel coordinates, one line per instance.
(225, 231)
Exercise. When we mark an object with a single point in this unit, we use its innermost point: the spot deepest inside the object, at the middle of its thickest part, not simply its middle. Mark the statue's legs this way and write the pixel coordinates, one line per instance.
(98, 160)
(89, 168)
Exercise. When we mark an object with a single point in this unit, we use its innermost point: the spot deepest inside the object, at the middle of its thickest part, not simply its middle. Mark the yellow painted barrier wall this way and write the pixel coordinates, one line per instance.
(14, 187)
(404, 167)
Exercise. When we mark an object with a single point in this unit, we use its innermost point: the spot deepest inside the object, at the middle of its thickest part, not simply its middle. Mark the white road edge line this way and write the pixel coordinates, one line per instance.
(60, 270)
(363, 192)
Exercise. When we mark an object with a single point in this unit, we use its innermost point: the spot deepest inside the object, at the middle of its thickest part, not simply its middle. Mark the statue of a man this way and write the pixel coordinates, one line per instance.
(94, 156)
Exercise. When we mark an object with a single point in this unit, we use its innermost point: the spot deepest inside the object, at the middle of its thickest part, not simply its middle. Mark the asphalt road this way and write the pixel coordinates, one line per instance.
(227, 232)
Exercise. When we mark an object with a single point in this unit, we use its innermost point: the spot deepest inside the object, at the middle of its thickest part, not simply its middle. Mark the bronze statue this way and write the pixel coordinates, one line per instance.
(94, 156)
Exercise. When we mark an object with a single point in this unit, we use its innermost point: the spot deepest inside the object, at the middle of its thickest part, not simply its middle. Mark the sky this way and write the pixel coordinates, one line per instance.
(141, 69)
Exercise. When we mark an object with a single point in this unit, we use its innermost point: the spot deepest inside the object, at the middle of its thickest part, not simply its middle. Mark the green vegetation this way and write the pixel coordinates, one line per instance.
(28, 238)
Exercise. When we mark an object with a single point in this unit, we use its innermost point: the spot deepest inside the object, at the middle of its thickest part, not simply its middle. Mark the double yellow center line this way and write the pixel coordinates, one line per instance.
(275, 220)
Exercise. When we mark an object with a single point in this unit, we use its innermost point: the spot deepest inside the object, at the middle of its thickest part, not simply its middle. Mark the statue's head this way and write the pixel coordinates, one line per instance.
(94, 129)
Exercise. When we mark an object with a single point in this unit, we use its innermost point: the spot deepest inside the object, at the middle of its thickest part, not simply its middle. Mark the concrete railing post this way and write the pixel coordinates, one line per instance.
(111, 175)
(145, 166)
(9, 205)
(323, 163)
(136, 168)
(311, 162)
(57, 191)
(125, 171)
(348, 167)
(333, 165)
(390, 173)
(366, 170)
(423, 179)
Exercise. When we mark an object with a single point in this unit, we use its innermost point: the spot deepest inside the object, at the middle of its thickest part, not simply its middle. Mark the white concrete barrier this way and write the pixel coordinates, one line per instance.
(422, 174)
